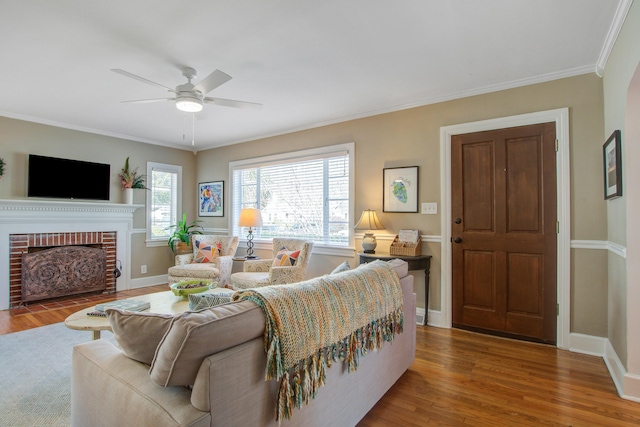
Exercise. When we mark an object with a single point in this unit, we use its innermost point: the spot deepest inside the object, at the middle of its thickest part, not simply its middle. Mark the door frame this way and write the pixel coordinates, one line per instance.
(561, 119)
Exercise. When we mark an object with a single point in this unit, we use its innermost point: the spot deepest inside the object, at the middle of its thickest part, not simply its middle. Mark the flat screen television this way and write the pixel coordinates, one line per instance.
(68, 179)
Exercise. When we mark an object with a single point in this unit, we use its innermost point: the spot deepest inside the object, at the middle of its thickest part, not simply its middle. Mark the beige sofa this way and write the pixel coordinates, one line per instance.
(109, 388)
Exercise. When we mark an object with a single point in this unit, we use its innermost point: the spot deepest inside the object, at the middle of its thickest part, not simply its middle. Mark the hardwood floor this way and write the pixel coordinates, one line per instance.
(46, 313)
(459, 378)
(462, 378)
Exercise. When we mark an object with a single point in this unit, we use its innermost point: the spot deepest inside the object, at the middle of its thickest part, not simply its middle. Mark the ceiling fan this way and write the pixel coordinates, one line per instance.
(189, 97)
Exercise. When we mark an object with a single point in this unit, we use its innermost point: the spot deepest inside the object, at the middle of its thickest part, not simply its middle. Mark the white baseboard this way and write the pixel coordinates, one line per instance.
(143, 282)
(433, 320)
(587, 344)
(419, 316)
(627, 385)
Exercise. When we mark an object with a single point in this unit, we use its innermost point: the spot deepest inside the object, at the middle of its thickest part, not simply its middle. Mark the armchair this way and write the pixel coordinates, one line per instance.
(217, 269)
(263, 272)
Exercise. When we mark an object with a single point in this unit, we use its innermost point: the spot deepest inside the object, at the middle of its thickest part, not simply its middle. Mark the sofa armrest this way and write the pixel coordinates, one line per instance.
(183, 259)
(257, 265)
(110, 389)
(225, 265)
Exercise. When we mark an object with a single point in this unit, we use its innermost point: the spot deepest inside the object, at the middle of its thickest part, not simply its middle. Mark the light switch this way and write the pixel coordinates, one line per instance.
(429, 208)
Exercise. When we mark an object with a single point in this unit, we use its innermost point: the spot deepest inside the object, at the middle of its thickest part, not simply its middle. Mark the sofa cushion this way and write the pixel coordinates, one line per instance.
(286, 258)
(138, 333)
(196, 271)
(342, 267)
(401, 267)
(194, 335)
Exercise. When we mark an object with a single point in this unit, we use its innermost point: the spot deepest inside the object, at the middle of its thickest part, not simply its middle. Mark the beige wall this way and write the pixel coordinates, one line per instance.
(624, 274)
(411, 137)
(19, 138)
(404, 138)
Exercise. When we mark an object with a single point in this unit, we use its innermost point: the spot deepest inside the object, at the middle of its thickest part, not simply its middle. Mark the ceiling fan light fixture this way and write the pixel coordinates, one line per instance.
(188, 104)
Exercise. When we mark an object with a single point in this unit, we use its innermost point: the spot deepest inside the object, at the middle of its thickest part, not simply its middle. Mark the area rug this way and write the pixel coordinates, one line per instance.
(35, 375)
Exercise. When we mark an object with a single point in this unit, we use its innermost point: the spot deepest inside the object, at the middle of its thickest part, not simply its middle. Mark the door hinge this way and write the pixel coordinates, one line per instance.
(556, 145)
(557, 227)
(557, 309)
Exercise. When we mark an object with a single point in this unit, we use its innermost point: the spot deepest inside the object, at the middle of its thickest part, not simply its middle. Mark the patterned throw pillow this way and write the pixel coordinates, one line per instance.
(204, 252)
(285, 258)
(200, 301)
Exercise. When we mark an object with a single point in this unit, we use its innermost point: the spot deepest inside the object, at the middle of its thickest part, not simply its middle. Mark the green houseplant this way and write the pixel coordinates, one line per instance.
(130, 177)
(2, 165)
(180, 239)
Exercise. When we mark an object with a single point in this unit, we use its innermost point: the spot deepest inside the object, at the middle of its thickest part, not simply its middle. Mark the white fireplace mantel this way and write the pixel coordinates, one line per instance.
(21, 216)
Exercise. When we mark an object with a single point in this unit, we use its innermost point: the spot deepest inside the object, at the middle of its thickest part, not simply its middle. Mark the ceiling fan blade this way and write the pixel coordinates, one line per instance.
(141, 79)
(212, 81)
(147, 101)
(235, 104)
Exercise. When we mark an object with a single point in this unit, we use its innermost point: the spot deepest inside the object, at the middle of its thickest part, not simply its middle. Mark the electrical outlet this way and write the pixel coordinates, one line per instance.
(143, 269)
(429, 208)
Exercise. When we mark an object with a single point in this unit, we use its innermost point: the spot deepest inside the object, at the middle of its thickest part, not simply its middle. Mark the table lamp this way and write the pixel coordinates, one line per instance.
(369, 221)
(250, 217)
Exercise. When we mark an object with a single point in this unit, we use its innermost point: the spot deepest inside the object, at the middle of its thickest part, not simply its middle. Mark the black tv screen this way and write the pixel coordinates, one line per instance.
(68, 179)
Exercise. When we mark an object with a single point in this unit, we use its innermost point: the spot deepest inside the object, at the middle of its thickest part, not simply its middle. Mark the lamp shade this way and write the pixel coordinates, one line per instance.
(250, 217)
(369, 221)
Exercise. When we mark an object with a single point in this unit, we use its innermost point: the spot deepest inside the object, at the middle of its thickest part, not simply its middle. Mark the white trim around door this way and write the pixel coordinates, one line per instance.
(561, 119)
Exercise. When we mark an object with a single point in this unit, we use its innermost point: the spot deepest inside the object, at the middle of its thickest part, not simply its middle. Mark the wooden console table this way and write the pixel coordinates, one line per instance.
(418, 262)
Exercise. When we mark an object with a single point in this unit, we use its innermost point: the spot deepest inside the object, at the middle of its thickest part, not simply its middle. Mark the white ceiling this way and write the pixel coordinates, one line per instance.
(308, 63)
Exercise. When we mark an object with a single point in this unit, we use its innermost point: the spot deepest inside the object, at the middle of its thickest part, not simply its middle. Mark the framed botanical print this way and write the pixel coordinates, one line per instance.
(400, 189)
(211, 198)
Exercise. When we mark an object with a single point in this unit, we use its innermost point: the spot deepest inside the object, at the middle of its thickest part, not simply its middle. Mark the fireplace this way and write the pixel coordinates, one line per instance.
(50, 265)
(28, 223)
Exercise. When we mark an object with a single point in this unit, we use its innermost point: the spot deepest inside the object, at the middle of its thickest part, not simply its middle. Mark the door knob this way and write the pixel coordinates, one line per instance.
(457, 220)
(457, 240)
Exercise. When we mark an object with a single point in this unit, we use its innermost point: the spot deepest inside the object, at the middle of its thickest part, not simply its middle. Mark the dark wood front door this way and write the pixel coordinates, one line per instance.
(504, 231)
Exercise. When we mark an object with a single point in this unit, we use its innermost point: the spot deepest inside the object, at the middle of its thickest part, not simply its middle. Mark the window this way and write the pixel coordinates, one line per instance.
(304, 194)
(163, 201)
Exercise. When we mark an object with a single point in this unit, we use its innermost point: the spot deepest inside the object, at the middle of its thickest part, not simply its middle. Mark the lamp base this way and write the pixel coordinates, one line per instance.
(251, 257)
(369, 243)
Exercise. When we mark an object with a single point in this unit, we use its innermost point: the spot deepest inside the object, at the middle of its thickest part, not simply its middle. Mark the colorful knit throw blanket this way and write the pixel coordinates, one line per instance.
(311, 324)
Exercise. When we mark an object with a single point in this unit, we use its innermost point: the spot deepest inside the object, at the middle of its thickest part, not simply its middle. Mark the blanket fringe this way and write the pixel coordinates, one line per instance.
(363, 293)
(310, 374)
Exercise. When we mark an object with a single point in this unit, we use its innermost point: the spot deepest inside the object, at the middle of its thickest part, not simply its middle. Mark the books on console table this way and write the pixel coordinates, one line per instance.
(123, 304)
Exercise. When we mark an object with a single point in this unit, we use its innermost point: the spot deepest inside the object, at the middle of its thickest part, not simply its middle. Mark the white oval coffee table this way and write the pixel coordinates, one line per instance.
(161, 302)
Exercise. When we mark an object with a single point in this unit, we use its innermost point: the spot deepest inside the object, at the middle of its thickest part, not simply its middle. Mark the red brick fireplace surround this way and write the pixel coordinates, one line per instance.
(28, 223)
(20, 243)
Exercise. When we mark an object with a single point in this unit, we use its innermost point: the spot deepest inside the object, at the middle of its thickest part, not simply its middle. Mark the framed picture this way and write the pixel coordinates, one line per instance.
(400, 189)
(612, 155)
(211, 198)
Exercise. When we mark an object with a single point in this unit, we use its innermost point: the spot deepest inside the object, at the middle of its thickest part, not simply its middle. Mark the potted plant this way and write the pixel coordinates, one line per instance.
(131, 179)
(180, 239)
(2, 165)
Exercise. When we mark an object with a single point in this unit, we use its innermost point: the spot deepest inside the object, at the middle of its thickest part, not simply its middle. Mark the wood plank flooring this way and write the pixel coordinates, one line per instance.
(459, 378)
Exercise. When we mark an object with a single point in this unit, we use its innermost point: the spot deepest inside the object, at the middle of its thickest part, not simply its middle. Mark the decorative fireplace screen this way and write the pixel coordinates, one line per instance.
(62, 271)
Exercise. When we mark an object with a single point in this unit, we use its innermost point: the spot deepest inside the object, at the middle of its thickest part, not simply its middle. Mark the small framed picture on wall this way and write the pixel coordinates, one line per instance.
(612, 156)
(211, 198)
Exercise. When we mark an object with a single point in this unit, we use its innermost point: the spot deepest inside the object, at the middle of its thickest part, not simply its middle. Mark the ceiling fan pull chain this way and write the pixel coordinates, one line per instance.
(193, 129)
(184, 126)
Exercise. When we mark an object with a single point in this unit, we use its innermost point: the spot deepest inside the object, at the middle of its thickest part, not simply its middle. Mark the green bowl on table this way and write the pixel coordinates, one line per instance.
(186, 287)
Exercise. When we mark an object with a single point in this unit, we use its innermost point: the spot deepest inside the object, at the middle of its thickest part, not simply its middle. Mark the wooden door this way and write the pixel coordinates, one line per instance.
(504, 231)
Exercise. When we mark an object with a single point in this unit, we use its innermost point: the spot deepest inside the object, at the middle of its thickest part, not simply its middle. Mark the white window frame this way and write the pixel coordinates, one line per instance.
(162, 167)
(301, 155)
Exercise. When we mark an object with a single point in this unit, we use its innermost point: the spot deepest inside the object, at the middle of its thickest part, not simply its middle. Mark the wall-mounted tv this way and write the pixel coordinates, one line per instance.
(68, 179)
